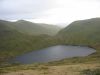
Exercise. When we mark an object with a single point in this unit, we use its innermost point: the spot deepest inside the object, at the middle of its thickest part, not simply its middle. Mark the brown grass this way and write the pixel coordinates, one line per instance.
(57, 70)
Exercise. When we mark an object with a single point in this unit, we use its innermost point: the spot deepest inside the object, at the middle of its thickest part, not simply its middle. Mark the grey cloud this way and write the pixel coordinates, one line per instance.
(11, 9)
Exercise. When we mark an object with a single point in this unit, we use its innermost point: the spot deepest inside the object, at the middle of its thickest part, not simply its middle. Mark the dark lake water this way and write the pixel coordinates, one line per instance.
(54, 53)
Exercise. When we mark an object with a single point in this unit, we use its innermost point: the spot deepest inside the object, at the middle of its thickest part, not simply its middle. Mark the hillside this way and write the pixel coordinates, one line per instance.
(34, 28)
(15, 38)
(27, 27)
(13, 42)
(6, 31)
(82, 30)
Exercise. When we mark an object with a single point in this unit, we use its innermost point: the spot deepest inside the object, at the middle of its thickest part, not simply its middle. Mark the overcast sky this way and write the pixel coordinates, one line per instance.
(49, 11)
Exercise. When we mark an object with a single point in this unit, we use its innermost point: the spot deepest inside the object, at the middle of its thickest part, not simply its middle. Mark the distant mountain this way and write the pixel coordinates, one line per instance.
(32, 28)
(15, 38)
(82, 30)
(6, 30)
(13, 42)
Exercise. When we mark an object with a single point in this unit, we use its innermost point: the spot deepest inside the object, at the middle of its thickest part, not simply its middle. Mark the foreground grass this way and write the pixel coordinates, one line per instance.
(44, 69)
(91, 72)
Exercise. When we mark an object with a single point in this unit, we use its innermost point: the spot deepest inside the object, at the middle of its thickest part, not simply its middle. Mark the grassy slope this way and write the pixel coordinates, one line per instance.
(84, 32)
(34, 28)
(73, 69)
(13, 43)
(84, 29)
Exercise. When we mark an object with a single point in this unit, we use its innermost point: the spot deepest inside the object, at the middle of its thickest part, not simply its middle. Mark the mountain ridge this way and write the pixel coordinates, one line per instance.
(31, 28)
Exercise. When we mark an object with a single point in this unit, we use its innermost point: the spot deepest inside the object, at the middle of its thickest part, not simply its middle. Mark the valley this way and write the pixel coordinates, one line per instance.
(16, 40)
